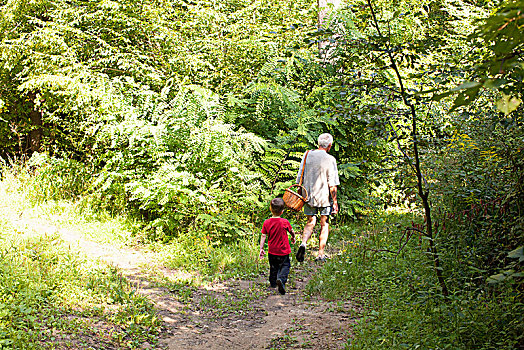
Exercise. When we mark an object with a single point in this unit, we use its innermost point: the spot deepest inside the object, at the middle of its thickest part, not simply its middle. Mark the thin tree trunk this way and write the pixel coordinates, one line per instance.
(323, 24)
(423, 194)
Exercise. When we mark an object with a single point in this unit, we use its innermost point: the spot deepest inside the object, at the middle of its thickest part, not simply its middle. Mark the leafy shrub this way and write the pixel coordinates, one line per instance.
(183, 170)
(480, 196)
(44, 178)
(54, 178)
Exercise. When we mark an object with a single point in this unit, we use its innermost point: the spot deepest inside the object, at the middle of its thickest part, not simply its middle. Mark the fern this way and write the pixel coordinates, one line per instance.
(271, 93)
(280, 165)
(181, 160)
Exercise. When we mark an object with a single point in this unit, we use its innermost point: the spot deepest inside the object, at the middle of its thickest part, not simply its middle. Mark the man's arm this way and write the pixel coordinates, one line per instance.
(333, 191)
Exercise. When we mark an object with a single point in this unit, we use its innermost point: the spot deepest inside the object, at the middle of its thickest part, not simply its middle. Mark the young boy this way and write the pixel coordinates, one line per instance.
(276, 229)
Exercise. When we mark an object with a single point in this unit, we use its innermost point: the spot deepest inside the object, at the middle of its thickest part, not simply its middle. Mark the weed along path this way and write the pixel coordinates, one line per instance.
(231, 314)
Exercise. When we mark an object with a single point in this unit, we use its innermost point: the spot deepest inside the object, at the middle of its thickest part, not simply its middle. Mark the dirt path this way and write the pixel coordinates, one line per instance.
(234, 314)
(249, 315)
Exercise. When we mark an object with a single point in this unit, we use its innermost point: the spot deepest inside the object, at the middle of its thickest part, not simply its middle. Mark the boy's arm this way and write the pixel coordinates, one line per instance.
(292, 235)
(262, 241)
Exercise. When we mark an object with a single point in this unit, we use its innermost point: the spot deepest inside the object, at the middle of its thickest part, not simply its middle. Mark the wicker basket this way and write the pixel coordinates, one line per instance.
(293, 200)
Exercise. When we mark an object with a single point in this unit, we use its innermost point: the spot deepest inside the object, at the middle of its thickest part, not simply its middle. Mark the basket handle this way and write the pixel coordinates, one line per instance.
(296, 185)
(303, 167)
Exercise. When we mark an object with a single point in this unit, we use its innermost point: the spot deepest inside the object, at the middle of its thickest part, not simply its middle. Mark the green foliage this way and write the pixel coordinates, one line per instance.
(79, 64)
(496, 59)
(234, 260)
(112, 85)
(279, 165)
(480, 197)
(183, 170)
(293, 100)
(55, 179)
(387, 69)
(402, 308)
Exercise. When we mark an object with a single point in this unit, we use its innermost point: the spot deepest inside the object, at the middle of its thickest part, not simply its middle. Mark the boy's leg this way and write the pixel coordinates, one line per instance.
(283, 271)
(273, 269)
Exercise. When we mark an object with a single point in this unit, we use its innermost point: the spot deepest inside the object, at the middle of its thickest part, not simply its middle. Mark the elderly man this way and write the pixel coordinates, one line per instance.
(320, 179)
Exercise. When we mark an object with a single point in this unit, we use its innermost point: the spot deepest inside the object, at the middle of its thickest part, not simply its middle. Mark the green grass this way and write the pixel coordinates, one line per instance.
(22, 197)
(403, 307)
(235, 260)
(195, 253)
(50, 295)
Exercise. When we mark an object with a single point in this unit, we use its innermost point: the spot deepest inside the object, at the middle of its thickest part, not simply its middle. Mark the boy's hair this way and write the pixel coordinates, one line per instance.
(325, 140)
(277, 205)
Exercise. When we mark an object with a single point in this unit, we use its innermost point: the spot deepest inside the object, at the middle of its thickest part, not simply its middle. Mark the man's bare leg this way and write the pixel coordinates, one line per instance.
(308, 229)
(324, 233)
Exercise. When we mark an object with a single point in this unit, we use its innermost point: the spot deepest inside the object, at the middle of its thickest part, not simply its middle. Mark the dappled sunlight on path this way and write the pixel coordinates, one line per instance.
(232, 314)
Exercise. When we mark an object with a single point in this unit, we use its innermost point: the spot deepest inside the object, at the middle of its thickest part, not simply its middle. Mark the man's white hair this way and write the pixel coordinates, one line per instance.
(325, 140)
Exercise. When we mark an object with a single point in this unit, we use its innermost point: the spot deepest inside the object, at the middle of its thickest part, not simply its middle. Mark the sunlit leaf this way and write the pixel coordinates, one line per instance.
(517, 254)
(494, 83)
(508, 104)
(466, 86)
(496, 278)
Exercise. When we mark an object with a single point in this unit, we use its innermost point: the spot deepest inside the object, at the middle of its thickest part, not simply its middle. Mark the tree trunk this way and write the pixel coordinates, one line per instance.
(422, 191)
(324, 10)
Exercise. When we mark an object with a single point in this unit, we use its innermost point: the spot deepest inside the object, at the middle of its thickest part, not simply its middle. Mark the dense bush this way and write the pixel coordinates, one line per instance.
(182, 168)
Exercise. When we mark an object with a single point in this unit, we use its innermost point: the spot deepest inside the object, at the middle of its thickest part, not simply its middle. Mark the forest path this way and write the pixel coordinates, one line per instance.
(233, 314)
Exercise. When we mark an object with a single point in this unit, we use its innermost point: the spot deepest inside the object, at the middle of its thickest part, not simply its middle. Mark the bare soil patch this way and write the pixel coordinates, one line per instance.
(239, 314)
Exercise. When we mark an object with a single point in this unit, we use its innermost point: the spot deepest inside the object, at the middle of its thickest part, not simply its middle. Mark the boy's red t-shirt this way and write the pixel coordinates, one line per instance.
(276, 230)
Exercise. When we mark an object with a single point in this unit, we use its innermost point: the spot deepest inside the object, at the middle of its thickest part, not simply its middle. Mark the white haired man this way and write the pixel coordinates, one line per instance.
(320, 180)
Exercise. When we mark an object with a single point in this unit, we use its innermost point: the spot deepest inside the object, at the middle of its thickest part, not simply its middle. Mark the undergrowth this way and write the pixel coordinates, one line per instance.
(198, 251)
(235, 260)
(403, 305)
(51, 296)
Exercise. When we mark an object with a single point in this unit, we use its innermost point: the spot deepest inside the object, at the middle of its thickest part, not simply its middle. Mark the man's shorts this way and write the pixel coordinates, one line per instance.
(311, 211)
